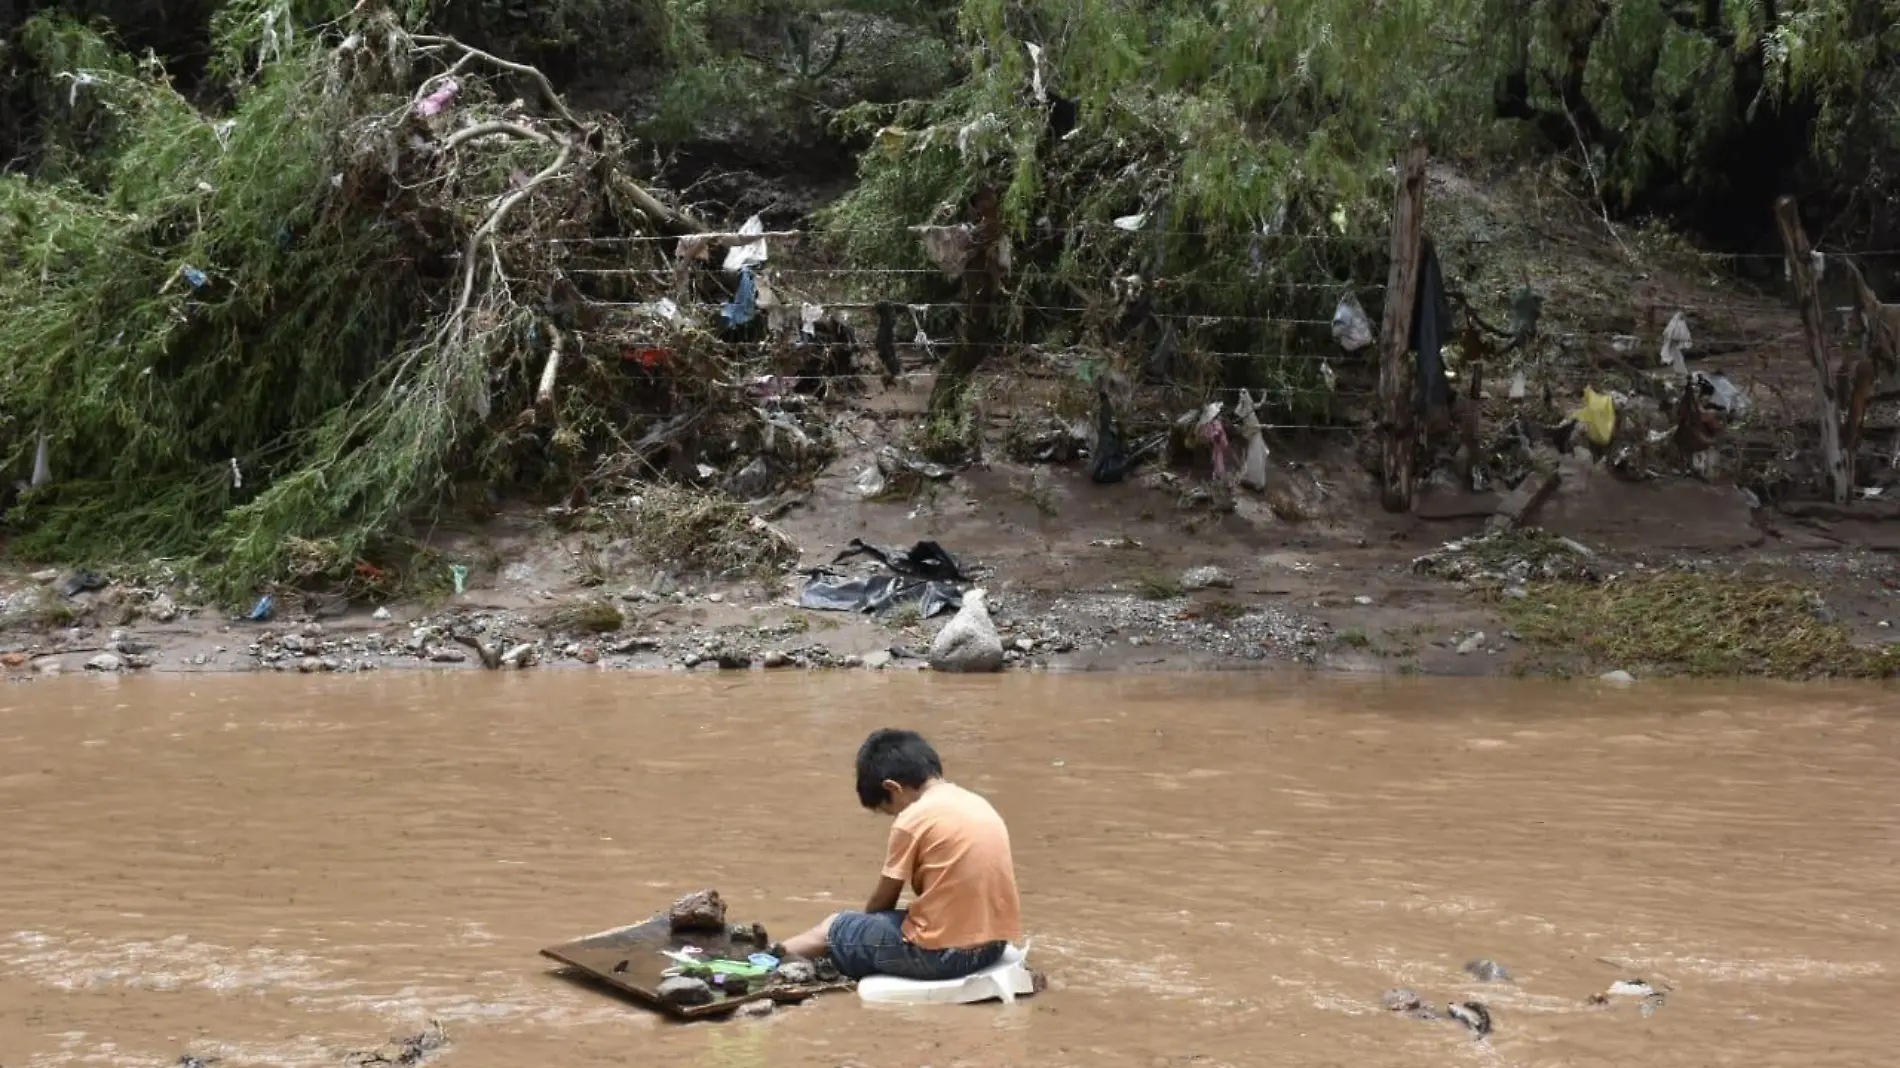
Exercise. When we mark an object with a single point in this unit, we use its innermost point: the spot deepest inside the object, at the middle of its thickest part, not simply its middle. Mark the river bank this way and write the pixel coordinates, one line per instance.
(1668, 576)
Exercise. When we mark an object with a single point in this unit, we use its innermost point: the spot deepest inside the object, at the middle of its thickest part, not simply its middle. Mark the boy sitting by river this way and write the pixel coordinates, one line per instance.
(951, 848)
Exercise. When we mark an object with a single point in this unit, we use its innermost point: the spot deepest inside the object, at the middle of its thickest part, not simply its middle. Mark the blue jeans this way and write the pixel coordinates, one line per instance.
(872, 943)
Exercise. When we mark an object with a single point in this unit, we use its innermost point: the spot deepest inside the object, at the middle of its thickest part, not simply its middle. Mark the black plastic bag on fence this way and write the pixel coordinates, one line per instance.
(1431, 323)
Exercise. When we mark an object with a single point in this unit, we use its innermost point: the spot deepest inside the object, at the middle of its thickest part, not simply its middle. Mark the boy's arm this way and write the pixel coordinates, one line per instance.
(884, 898)
(899, 860)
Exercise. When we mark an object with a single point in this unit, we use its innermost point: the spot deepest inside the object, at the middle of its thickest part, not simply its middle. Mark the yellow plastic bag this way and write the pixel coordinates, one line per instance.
(1598, 416)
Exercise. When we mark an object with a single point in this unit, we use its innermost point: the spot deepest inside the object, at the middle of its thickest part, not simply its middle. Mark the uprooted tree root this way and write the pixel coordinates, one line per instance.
(1684, 623)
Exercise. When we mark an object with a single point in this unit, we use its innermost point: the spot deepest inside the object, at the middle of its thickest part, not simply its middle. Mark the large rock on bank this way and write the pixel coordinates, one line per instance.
(969, 642)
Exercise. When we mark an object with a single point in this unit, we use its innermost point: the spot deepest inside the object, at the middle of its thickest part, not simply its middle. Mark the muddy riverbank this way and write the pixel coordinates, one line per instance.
(1081, 577)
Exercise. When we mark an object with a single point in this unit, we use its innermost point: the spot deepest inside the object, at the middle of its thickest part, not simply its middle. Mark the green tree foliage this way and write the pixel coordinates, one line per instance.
(221, 254)
(1254, 140)
(1704, 110)
(1240, 143)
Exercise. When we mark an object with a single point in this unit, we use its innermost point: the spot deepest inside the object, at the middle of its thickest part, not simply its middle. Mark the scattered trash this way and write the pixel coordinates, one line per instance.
(1351, 329)
(743, 307)
(404, 1052)
(1037, 87)
(1132, 223)
(925, 575)
(458, 573)
(878, 595)
(81, 581)
(1721, 394)
(263, 609)
(1253, 465)
(742, 257)
(1472, 1014)
(969, 642)
(42, 468)
(892, 462)
(1210, 429)
(1651, 998)
(663, 309)
(1618, 677)
(808, 316)
(1207, 578)
(1405, 1000)
(948, 247)
(1520, 386)
(1675, 342)
(1486, 970)
(435, 103)
(925, 559)
(1597, 416)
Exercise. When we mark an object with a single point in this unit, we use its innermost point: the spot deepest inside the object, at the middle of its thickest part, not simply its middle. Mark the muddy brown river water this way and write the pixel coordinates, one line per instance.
(1216, 870)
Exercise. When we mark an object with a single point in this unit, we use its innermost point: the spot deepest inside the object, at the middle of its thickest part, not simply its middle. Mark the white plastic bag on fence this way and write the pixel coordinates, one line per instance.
(1351, 328)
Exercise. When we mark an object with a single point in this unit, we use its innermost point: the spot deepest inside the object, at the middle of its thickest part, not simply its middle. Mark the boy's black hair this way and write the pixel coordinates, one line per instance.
(902, 757)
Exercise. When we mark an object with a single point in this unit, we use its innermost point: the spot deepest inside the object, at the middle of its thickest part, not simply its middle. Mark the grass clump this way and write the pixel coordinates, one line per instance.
(1681, 623)
(1158, 588)
(706, 531)
(587, 617)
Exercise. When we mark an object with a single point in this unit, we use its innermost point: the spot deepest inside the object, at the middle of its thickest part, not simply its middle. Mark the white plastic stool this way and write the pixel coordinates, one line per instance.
(1005, 980)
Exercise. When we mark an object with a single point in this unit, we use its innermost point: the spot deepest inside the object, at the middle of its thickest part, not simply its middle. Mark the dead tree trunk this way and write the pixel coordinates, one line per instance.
(1840, 465)
(1397, 382)
(982, 294)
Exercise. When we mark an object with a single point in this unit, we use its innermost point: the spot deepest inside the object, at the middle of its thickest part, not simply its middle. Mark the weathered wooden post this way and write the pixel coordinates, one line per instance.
(1397, 382)
(1794, 239)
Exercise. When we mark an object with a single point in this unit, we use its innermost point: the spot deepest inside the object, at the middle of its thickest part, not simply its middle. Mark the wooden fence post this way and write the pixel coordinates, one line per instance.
(1397, 382)
(1840, 466)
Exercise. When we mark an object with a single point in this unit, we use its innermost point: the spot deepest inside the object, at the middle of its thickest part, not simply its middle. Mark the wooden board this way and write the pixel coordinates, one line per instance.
(628, 960)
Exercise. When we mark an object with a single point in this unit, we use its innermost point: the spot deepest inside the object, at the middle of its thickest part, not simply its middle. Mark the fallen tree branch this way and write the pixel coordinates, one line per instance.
(544, 396)
(674, 220)
(484, 129)
(541, 80)
(452, 326)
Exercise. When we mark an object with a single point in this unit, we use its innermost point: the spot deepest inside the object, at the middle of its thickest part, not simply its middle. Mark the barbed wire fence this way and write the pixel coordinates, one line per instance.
(1763, 352)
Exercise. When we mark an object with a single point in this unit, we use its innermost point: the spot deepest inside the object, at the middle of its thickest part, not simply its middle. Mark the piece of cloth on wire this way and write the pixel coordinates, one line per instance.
(1431, 325)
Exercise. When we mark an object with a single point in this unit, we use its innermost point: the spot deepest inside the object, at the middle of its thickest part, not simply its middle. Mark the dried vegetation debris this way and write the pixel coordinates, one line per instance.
(533, 326)
(1511, 558)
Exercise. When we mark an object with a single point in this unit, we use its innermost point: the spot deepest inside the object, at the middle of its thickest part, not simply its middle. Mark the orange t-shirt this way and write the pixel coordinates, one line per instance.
(952, 849)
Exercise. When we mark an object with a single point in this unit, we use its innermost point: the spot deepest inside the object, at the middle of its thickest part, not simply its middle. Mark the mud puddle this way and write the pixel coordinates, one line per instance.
(1217, 870)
